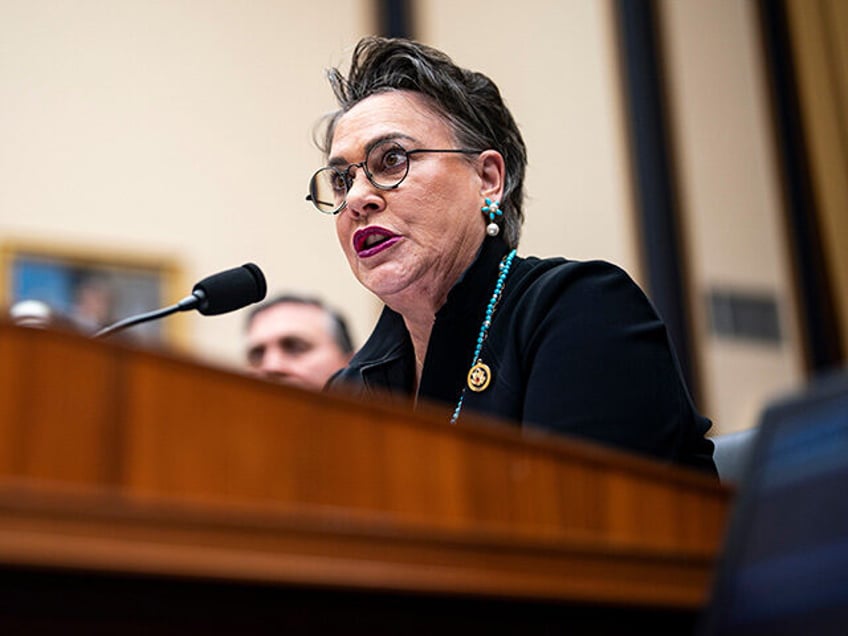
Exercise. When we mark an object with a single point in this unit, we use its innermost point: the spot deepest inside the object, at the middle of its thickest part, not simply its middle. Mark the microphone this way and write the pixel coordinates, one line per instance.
(216, 294)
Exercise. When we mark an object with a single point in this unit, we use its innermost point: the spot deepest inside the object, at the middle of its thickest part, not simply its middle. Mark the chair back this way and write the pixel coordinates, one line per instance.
(732, 453)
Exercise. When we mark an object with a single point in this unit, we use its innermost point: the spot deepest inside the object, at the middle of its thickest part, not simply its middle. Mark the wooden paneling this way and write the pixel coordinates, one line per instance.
(58, 400)
(146, 463)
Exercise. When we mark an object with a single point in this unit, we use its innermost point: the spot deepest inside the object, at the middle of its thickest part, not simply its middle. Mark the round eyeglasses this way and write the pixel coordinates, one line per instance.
(386, 166)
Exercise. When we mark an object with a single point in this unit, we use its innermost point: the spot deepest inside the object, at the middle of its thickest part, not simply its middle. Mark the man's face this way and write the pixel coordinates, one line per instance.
(292, 344)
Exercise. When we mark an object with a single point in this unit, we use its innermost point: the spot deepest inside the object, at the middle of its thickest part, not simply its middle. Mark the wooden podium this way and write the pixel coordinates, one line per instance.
(141, 491)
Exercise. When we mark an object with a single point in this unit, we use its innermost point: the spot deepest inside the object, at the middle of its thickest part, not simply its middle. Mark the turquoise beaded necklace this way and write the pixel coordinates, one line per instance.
(479, 375)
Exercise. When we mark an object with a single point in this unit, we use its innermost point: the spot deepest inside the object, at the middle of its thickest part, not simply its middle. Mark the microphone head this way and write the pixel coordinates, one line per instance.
(230, 290)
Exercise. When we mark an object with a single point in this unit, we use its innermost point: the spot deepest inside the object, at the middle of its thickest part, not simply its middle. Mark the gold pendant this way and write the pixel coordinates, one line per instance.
(479, 377)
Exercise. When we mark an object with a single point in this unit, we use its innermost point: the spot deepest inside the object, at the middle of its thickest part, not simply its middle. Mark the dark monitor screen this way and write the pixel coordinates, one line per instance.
(784, 570)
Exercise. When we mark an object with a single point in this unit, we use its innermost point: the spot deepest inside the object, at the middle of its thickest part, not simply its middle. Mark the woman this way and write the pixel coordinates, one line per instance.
(425, 176)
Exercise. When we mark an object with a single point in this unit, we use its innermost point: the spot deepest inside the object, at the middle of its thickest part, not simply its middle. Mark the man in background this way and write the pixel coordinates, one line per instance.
(297, 340)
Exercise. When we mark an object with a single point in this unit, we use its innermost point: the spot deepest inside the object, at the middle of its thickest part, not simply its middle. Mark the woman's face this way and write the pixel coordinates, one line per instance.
(409, 245)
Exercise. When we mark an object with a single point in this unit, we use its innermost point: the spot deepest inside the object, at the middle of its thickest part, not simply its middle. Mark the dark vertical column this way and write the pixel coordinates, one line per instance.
(656, 199)
(821, 334)
(395, 18)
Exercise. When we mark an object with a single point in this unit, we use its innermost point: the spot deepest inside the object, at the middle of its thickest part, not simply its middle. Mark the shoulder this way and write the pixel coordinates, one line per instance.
(554, 271)
(545, 283)
(591, 306)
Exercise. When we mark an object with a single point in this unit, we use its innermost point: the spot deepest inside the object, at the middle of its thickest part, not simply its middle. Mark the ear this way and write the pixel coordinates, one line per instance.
(492, 171)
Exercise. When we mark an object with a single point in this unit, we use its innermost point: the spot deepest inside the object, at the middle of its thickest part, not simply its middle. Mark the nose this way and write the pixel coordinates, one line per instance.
(363, 198)
(275, 364)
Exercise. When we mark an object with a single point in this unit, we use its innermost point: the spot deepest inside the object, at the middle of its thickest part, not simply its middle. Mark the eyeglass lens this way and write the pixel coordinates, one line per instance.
(385, 166)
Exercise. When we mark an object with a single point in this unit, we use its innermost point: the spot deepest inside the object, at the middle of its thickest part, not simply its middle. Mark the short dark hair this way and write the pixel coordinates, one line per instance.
(338, 325)
(470, 102)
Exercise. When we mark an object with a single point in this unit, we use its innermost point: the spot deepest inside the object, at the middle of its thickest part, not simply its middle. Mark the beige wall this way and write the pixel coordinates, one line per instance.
(176, 128)
(183, 129)
(555, 63)
(730, 198)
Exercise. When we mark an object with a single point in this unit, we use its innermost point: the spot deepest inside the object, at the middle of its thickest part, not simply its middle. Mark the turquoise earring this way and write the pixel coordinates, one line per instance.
(492, 209)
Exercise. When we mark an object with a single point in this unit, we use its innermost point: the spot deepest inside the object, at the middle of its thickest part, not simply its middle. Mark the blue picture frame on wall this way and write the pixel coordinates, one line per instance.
(84, 292)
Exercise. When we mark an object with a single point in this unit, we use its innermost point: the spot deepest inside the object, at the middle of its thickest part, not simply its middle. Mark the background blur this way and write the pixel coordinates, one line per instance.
(701, 145)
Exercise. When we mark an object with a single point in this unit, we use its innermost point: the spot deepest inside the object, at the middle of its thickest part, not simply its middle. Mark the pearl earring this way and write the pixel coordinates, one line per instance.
(492, 209)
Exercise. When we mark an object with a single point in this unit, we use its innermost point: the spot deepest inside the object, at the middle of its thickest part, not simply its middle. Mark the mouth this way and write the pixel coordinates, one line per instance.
(372, 240)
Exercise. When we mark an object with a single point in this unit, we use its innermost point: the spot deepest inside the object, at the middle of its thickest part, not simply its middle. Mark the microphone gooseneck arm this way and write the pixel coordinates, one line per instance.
(186, 304)
(217, 294)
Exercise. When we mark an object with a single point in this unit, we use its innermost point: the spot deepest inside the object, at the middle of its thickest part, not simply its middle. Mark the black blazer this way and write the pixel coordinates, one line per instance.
(574, 347)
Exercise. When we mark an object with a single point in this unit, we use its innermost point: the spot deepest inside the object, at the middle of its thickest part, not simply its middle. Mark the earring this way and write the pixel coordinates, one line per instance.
(492, 209)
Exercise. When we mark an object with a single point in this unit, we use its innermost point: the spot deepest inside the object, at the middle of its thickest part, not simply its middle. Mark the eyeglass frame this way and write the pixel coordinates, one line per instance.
(348, 179)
